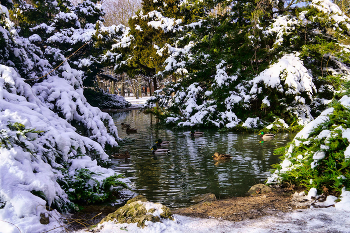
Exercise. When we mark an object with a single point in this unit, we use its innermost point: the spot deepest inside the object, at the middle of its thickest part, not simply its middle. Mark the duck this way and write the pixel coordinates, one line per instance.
(218, 156)
(124, 125)
(130, 130)
(157, 151)
(162, 143)
(196, 134)
(266, 137)
(124, 155)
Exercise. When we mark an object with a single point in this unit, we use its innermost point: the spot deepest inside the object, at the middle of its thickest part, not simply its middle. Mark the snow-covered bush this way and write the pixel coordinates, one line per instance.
(44, 160)
(319, 156)
(39, 152)
(288, 66)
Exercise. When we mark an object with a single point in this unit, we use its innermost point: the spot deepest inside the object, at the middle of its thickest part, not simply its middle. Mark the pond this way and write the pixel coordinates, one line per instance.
(189, 169)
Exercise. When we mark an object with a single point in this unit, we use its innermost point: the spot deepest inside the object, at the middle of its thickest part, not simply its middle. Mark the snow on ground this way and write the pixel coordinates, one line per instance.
(332, 219)
(137, 102)
(304, 220)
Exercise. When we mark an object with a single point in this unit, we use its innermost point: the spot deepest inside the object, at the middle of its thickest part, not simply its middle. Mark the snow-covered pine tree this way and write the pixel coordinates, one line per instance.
(151, 29)
(257, 62)
(44, 160)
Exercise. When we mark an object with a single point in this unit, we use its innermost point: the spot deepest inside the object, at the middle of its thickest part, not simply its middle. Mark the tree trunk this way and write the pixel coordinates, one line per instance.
(155, 84)
(112, 88)
(155, 88)
(150, 87)
(123, 85)
(139, 86)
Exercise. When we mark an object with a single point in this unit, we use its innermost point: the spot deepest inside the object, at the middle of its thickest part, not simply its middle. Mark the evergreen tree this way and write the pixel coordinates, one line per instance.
(42, 110)
(230, 54)
(78, 35)
(59, 47)
(152, 31)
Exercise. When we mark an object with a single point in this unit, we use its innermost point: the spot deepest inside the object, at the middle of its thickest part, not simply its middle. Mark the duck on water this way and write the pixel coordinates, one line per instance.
(267, 136)
(196, 133)
(161, 143)
(158, 151)
(218, 156)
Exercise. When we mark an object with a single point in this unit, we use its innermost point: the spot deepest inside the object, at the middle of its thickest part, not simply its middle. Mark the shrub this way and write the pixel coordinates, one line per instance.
(322, 159)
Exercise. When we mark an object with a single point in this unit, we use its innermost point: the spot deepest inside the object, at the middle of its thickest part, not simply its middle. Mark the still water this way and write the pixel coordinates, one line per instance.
(189, 169)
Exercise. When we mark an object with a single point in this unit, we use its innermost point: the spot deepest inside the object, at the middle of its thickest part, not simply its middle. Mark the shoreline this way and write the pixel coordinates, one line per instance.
(135, 104)
(121, 109)
(238, 209)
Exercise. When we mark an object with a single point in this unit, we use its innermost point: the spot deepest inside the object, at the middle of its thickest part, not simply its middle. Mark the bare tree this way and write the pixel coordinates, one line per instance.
(117, 11)
(136, 85)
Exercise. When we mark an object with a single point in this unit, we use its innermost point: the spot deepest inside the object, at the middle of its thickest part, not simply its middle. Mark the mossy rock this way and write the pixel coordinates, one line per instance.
(137, 198)
(166, 213)
(259, 189)
(134, 211)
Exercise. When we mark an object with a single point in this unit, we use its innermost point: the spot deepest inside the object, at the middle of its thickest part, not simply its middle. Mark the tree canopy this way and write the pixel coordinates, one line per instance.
(260, 60)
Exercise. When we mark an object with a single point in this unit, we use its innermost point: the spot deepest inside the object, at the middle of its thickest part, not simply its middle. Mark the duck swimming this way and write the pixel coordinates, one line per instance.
(196, 134)
(266, 137)
(162, 143)
(157, 151)
(130, 130)
(218, 156)
(124, 125)
(124, 155)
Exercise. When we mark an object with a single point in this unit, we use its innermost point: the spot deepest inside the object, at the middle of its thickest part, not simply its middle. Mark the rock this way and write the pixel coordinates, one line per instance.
(137, 198)
(259, 189)
(204, 198)
(138, 210)
(300, 200)
(44, 219)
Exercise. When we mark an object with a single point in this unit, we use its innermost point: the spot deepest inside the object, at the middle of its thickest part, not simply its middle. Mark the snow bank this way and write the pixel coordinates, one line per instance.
(29, 168)
(40, 151)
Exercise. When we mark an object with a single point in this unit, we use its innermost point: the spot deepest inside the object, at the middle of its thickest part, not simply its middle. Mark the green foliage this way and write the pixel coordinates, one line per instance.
(113, 181)
(44, 19)
(148, 49)
(92, 15)
(39, 194)
(320, 162)
(17, 135)
(42, 11)
(84, 187)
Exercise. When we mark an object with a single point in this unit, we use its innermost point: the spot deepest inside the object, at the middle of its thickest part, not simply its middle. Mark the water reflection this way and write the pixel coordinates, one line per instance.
(189, 168)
